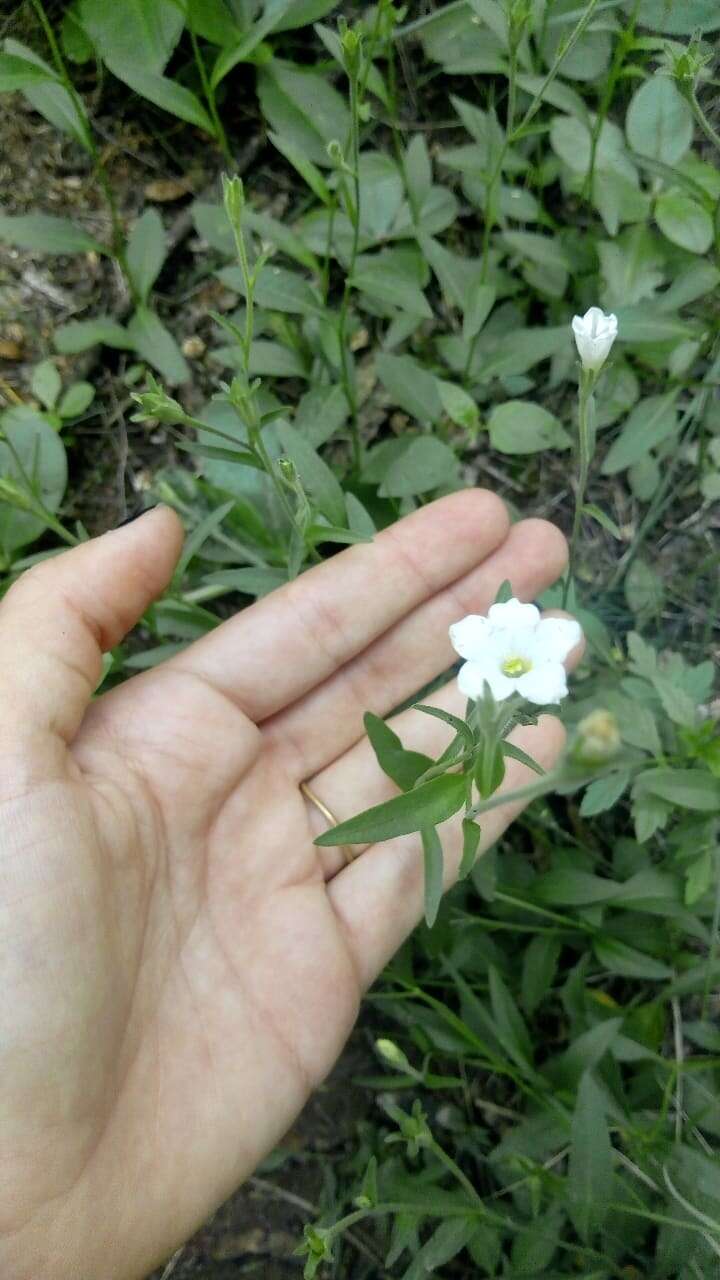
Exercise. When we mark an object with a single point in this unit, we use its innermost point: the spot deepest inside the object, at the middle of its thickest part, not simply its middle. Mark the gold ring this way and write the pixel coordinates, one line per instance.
(348, 853)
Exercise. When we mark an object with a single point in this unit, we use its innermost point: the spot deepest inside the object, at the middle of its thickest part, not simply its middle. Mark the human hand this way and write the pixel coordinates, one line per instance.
(180, 965)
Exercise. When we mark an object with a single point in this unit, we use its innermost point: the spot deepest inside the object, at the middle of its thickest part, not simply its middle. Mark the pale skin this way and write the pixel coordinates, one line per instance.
(180, 965)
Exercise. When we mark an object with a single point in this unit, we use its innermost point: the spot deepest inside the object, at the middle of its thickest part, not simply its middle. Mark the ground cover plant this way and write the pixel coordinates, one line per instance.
(421, 247)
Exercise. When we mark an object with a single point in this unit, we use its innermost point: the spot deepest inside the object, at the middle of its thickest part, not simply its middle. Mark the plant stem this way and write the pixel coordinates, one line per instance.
(711, 134)
(585, 452)
(209, 92)
(118, 232)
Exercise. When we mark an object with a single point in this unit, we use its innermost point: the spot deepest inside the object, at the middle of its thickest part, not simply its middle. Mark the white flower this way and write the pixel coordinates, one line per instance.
(514, 651)
(594, 335)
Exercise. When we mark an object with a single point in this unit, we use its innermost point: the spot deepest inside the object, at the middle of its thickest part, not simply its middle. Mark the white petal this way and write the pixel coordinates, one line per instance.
(472, 676)
(546, 683)
(555, 638)
(469, 636)
(513, 614)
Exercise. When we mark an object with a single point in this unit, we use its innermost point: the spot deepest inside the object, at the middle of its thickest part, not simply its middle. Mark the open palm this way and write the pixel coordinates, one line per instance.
(180, 965)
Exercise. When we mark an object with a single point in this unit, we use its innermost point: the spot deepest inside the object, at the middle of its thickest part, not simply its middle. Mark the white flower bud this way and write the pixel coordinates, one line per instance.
(594, 336)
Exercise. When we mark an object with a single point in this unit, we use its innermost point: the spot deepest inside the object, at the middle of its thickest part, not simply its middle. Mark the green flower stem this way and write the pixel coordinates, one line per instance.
(254, 426)
(455, 1170)
(711, 134)
(586, 448)
(118, 231)
(209, 92)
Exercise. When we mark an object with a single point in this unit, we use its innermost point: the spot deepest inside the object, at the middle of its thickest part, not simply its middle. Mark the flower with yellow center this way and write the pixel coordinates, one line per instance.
(514, 650)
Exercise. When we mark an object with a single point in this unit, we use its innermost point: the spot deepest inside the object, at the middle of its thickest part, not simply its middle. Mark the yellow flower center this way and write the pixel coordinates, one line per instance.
(516, 667)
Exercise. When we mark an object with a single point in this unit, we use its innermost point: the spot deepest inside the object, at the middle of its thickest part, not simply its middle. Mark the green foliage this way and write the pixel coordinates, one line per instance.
(456, 184)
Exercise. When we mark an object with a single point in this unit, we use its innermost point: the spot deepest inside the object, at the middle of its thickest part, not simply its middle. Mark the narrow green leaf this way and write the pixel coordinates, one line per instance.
(433, 864)
(471, 842)
(164, 93)
(509, 1024)
(156, 344)
(403, 767)
(146, 247)
(590, 1167)
(618, 957)
(199, 536)
(689, 788)
(18, 73)
(320, 482)
(80, 335)
(47, 234)
(603, 519)
(539, 968)
(513, 752)
(428, 805)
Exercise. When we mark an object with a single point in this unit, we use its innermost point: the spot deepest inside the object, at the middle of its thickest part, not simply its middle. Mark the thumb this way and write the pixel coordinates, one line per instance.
(60, 617)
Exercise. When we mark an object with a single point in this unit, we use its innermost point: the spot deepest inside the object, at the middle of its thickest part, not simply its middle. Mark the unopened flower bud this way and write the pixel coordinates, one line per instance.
(595, 334)
(335, 152)
(233, 198)
(598, 738)
(393, 1055)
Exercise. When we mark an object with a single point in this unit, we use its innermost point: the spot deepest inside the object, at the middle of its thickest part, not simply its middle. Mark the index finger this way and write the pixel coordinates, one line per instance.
(294, 638)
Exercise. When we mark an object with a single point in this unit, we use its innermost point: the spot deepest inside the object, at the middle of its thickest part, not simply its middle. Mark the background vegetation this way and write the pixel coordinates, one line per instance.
(430, 194)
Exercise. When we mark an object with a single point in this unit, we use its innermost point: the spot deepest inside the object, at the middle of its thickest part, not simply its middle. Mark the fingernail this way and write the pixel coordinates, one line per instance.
(136, 515)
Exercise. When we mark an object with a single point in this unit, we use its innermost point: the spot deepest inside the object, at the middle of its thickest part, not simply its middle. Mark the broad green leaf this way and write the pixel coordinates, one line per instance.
(568, 887)
(300, 13)
(382, 279)
(146, 249)
(644, 589)
(688, 788)
(76, 400)
(679, 17)
(650, 422)
(51, 99)
(433, 866)
(157, 346)
(509, 1025)
(520, 426)
(315, 475)
(540, 964)
(458, 405)
(213, 20)
(38, 452)
(619, 199)
(274, 360)
(136, 32)
(304, 166)
(425, 465)
(571, 140)
(684, 221)
(303, 108)
(477, 308)
(604, 793)
(164, 93)
(46, 384)
(277, 289)
(547, 256)
(80, 335)
(659, 121)
(618, 957)
(678, 704)
(47, 233)
(428, 805)
(403, 767)
(410, 386)
(632, 268)
(590, 1166)
(584, 1053)
(19, 73)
